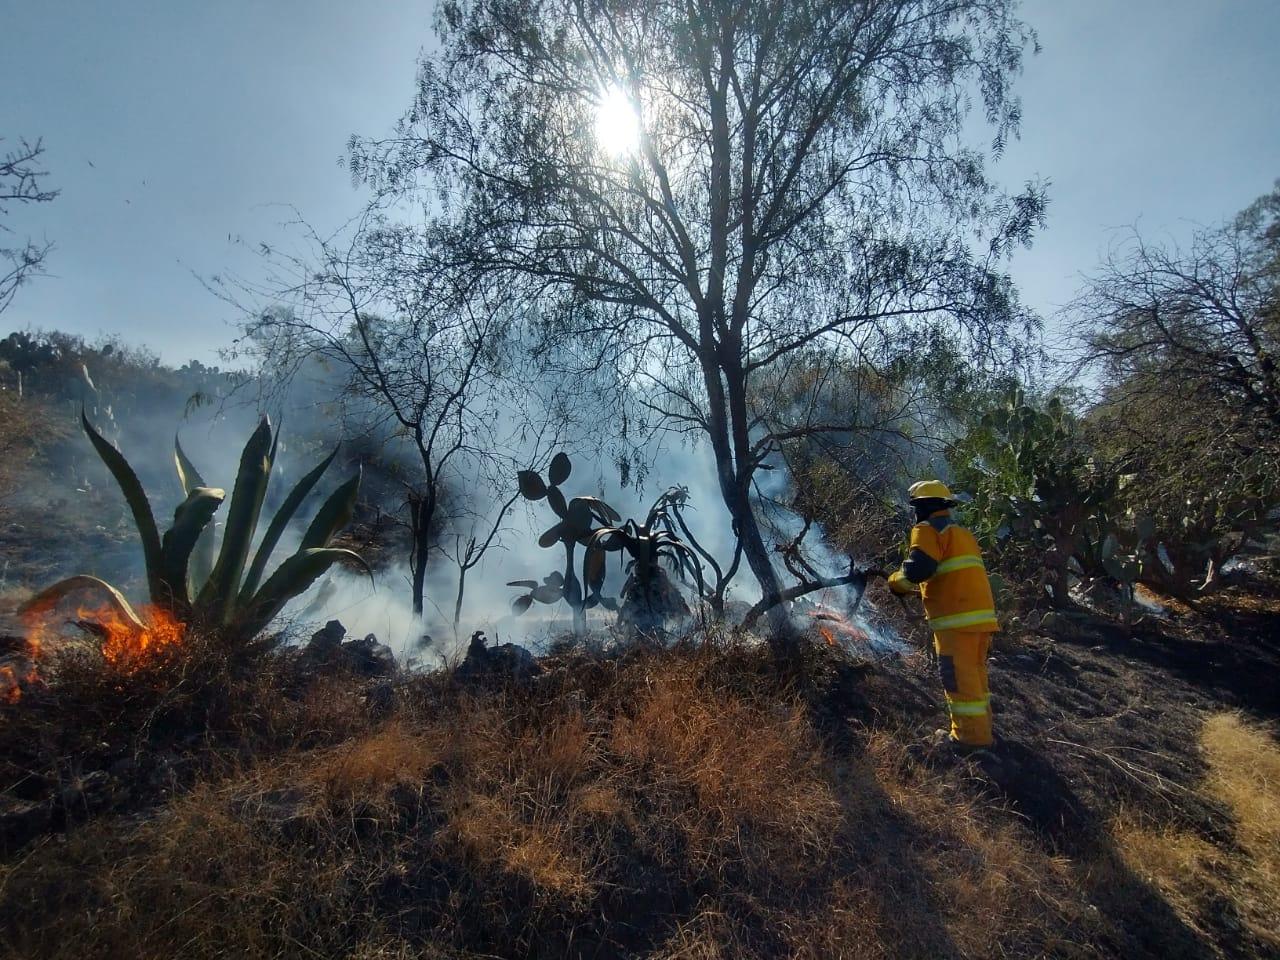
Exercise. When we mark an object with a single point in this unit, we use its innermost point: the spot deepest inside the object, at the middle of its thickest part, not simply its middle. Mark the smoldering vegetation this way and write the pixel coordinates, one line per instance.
(142, 406)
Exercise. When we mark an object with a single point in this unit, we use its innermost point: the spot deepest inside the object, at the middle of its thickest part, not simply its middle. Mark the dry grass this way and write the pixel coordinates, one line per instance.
(1204, 881)
(369, 766)
(680, 805)
(1244, 772)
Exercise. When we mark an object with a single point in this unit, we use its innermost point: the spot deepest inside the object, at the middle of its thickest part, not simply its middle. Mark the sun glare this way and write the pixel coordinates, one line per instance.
(617, 123)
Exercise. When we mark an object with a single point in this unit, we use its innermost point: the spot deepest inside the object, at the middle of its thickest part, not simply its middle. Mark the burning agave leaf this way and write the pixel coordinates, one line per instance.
(222, 600)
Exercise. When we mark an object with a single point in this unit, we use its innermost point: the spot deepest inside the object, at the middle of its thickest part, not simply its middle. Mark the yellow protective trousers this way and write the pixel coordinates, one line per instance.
(962, 661)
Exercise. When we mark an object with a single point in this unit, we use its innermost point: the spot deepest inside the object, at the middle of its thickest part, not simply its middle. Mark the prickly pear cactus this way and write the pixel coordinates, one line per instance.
(576, 524)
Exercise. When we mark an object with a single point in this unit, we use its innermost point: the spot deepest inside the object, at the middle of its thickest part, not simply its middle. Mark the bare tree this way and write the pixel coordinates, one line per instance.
(21, 182)
(694, 192)
(1206, 317)
(1184, 343)
(424, 357)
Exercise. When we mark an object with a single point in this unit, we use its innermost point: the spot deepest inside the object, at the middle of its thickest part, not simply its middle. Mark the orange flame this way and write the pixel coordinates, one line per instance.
(835, 627)
(124, 646)
(11, 683)
(16, 675)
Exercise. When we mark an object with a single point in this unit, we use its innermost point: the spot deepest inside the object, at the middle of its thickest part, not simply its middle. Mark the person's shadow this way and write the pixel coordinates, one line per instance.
(1138, 921)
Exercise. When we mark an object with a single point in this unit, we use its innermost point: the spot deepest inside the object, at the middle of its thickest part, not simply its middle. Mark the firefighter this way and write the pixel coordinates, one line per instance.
(945, 565)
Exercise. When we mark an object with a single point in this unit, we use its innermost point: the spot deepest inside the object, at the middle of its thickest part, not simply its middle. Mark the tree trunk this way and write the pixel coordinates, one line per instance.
(423, 513)
(420, 574)
(734, 473)
(457, 604)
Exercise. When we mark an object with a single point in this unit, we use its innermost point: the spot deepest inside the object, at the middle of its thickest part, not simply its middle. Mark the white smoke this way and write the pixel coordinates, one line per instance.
(383, 608)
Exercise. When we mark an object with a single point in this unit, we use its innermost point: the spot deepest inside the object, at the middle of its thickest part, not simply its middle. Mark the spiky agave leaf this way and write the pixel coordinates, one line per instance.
(578, 517)
(682, 557)
(190, 524)
(278, 524)
(220, 590)
(48, 598)
(205, 553)
(602, 511)
(608, 538)
(139, 506)
(291, 579)
(335, 514)
(188, 475)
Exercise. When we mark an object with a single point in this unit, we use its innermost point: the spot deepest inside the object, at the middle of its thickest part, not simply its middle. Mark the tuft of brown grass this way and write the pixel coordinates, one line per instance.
(370, 765)
(719, 764)
(1244, 772)
(1200, 879)
(493, 836)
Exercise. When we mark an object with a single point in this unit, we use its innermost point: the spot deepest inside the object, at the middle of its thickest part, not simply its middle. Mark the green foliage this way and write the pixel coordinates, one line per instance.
(1036, 483)
(1208, 487)
(221, 599)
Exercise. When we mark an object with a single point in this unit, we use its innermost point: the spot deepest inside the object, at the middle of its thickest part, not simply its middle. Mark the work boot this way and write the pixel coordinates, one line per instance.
(948, 746)
(937, 749)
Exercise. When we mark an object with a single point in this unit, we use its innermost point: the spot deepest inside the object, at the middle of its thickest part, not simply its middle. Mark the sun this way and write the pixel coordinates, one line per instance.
(617, 123)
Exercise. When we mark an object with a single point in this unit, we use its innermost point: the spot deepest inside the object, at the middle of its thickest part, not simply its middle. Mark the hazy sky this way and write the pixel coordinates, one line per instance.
(174, 127)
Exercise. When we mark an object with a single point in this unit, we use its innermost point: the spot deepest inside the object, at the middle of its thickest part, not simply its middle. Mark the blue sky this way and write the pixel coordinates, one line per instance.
(206, 121)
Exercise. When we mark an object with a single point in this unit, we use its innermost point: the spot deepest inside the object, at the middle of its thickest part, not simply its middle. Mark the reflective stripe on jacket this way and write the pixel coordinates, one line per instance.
(956, 591)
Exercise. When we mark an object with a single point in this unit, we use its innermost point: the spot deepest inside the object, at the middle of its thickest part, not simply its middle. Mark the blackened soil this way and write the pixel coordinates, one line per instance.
(1093, 717)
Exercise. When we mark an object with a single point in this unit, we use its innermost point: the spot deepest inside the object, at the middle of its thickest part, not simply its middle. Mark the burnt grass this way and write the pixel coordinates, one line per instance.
(700, 801)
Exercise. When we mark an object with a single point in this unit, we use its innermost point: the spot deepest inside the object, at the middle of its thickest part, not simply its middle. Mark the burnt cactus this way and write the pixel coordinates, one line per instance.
(576, 526)
(649, 598)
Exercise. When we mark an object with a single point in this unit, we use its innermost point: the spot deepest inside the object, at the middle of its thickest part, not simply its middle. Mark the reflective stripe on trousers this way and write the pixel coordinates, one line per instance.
(969, 708)
(962, 662)
(958, 621)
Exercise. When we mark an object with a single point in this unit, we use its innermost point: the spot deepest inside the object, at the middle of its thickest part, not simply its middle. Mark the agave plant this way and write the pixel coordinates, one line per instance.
(185, 579)
(575, 527)
(649, 598)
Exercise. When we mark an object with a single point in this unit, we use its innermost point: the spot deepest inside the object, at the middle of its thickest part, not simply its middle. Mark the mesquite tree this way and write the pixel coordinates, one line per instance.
(694, 192)
(1184, 341)
(420, 357)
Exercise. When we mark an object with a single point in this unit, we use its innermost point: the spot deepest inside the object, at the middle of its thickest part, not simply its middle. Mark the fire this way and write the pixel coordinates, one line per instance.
(13, 678)
(123, 645)
(17, 673)
(835, 627)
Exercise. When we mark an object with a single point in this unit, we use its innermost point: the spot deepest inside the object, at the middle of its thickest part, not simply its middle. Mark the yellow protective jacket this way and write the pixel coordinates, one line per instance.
(946, 561)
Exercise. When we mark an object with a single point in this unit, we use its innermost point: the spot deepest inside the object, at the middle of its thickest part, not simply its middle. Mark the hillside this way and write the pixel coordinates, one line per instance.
(689, 802)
